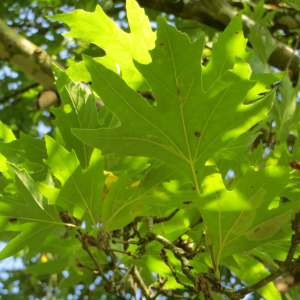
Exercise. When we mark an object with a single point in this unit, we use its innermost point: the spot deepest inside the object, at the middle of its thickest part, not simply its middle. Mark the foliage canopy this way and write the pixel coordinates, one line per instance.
(139, 197)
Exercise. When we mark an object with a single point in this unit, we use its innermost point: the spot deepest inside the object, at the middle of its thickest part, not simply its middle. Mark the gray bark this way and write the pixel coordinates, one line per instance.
(217, 14)
(26, 56)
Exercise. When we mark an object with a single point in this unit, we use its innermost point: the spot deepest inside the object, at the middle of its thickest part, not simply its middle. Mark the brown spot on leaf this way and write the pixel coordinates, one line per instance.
(236, 33)
(12, 220)
(197, 134)
(178, 90)
(162, 45)
(186, 202)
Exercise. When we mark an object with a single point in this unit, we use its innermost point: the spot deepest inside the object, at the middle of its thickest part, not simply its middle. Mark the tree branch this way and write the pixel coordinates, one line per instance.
(86, 248)
(18, 91)
(141, 284)
(218, 14)
(26, 56)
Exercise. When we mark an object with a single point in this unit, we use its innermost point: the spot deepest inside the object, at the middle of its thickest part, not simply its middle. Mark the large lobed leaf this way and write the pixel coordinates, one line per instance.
(199, 110)
(120, 47)
(240, 220)
(33, 217)
(81, 191)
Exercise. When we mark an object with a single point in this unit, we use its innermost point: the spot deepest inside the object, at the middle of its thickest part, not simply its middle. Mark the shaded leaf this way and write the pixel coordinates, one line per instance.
(284, 109)
(122, 205)
(51, 267)
(34, 217)
(78, 110)
(81, 191)
(251, 271)
(240, 220)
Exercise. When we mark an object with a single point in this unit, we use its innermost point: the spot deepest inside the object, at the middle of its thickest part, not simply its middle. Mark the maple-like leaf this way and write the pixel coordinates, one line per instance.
(263, 46)
(199, 110)
(33, 217)
(240, 220)
(81, 191)
(260, 14)
(78, 110)
(120, 47)
(283, 110)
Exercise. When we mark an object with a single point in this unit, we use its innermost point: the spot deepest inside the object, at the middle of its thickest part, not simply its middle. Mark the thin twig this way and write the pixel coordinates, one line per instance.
(179, 254)
(125, 242)
(161, 285)
(19, 91)
(124, 252)
(295, 239)
(141, 284)
(200, 220)
(86, 248)
(171, 295)
(294, 49)
(164, 256)
(198, 249)
(165, 219)
(288, 265)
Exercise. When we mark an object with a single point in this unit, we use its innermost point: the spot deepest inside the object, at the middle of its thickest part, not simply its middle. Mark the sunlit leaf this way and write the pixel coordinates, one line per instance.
(189, 124)
(240, 220)
(120, 47)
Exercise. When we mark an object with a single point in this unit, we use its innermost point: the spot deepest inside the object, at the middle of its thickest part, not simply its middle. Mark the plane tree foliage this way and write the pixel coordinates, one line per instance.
(171, 165)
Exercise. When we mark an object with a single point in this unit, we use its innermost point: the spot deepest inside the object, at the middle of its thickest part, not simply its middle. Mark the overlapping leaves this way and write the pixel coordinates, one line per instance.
(199, 111)
(202, 112)
(240, 220)
(33, 217)
(120, 47)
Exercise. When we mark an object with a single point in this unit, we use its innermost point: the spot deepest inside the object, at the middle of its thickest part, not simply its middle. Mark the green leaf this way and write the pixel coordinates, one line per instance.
(11, 151)
(34, 149)
(263, 45)
(78, 110)
(160, 187)
(75, 278)
(6, 133)
(293, 3)
(283, 110)
(51, 267)
(240, 220)
(81, 191)
(56, 245)
(236, 148)
(120, 47)
(34, 152)
(35, 218)
(260, 14)
(189, 125)
(251, 271)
